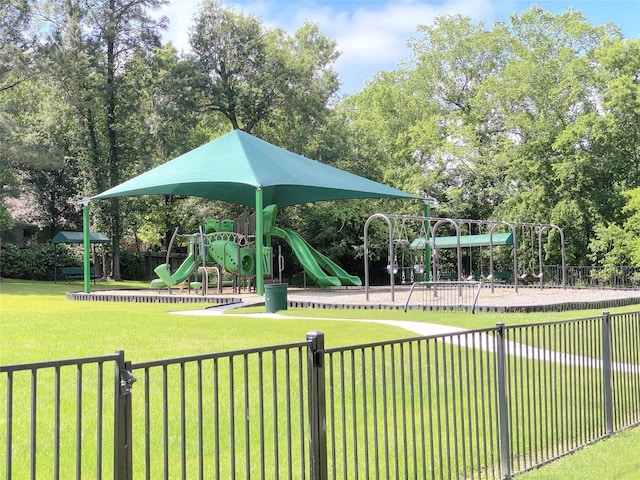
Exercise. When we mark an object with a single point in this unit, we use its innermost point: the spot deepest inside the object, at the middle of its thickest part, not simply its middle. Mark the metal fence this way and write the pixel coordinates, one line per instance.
(60, 418)
(592, 276)
(481, 404)
(447, 295)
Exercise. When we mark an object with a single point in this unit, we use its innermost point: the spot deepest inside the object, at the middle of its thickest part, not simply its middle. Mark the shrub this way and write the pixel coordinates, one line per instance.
(35, 263)
(131, 266)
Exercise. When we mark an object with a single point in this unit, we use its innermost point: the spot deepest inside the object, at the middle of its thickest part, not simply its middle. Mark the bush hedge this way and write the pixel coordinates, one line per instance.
(38, 262)
(35, 263)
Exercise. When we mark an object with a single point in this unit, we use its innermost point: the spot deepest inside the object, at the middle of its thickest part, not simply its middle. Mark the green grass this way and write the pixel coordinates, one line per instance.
(458, 319)
(617, 457)
(37, 323)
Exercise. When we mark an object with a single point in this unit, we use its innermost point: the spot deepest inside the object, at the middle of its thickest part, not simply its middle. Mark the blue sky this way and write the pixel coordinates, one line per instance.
(372, 34)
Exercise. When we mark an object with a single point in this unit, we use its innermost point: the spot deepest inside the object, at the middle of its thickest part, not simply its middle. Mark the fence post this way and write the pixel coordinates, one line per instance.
(317, 406)
(606, 372)
(503, 408)
(122, 457)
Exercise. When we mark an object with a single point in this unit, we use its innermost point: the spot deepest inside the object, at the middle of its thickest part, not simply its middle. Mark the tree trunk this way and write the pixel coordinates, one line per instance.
(112, 136)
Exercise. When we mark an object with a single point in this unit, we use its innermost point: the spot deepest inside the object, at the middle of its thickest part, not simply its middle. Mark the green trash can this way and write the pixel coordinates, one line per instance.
(275, 297)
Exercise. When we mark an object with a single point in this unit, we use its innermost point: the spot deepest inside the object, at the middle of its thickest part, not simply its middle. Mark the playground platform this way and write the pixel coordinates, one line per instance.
(502, 299)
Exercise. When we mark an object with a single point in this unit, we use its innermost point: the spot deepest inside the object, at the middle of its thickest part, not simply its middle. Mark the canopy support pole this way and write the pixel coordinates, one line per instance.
(259, 242)
(427, 245)
(86, 245)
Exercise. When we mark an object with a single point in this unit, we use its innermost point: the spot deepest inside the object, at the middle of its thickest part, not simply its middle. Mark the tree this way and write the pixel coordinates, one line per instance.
(548, 86)
(512, 122)
(45, 154)
(17, 54)
(18, 44)
(615, 244)
(93, 43)
(458, 142)
(252, 75)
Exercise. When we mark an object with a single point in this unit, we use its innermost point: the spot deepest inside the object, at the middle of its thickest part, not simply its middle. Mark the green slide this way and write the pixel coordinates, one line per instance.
(320, 268)
(166, 279)
(231, 257)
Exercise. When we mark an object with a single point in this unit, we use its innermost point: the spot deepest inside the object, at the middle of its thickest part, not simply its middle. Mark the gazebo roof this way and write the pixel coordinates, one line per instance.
(232, 167)
(76, 237)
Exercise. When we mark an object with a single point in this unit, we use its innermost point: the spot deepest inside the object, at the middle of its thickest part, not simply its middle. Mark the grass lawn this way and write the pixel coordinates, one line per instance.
(457, 319)
(37, 323)
(615, 458)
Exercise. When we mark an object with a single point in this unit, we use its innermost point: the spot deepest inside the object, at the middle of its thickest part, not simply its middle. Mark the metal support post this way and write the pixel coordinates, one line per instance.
(317, 407)
(86, 243)
(606, 372)
(503, 408)
(122, 454)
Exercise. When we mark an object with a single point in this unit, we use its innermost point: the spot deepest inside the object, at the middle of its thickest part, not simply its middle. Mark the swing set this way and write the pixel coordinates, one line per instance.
(422, 256)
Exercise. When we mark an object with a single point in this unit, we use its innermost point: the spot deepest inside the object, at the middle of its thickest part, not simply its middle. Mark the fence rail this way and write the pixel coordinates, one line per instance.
(480, 404)
(592, 276)
(445, 295)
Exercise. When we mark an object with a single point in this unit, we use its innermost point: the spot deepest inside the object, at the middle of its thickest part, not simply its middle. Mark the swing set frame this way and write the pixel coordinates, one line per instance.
(429, 229)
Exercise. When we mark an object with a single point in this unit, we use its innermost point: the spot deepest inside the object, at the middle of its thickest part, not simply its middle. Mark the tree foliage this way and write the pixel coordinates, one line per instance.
(254, 75)
(534, 119)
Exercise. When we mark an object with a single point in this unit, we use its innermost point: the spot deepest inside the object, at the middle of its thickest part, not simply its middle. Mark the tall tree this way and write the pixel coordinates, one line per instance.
(94, 42)
(44, 151)
(18, 48)
(547, 87)
(162, 122)
(510, 122)
(18, 43)
(253, 75)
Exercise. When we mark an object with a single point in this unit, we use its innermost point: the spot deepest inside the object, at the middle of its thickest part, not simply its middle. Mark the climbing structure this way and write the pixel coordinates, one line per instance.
(220, 246)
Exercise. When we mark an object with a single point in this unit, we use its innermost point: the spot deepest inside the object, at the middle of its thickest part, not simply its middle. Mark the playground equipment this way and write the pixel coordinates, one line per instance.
(428, 244)
(186, 268)
(318, 266)
(219, 245)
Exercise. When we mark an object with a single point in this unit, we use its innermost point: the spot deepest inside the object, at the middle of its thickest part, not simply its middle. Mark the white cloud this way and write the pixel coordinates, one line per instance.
(371, 35)
(180, 14)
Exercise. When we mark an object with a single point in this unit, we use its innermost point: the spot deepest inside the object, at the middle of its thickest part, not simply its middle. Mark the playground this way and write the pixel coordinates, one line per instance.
(495, 266)
(431, 262)
(228, 246)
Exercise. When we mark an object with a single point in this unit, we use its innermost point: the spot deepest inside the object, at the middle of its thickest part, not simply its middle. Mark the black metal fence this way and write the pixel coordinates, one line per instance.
(592, 276)
(447, 295)
(481, 404)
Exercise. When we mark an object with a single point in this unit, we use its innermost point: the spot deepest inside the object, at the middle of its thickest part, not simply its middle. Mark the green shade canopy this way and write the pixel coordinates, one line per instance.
(77, 237)
(483, 240)
(231, 168)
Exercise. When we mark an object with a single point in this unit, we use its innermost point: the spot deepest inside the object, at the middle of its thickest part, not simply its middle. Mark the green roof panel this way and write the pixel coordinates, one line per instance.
(466, 241)
(76, 237)
(231, 168)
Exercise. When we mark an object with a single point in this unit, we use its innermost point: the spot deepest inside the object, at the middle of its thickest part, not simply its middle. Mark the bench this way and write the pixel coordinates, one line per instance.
(502, 277)
(77, 273)
(448, 277)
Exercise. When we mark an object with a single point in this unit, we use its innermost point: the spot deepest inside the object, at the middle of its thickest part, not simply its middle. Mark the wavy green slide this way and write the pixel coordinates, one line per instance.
(319, 267)
(167, 279)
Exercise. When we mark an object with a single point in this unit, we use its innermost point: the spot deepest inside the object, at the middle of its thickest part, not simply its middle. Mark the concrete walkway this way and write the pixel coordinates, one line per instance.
(452, 335)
